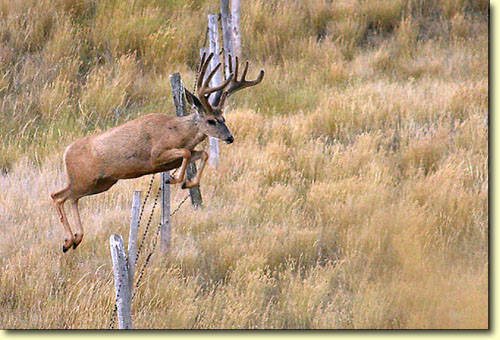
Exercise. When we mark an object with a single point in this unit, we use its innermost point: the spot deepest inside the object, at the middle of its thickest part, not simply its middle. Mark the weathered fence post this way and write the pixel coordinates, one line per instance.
(132, 238)
(227, 34)
(165, 212)
(235, 23)
(180, 110)
(122, 285)
(213, 40)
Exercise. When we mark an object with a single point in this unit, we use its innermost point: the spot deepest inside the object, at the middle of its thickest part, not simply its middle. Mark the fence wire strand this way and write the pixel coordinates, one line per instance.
(114, 312)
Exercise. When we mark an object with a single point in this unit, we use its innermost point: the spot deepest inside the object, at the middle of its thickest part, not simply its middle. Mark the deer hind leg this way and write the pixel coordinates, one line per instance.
(196, 180)
(59, 199)
(78, 236)
(171, 155)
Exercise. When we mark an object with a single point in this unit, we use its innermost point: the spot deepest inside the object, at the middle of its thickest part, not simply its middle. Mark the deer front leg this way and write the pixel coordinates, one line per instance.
(170, 155)
(195, 155)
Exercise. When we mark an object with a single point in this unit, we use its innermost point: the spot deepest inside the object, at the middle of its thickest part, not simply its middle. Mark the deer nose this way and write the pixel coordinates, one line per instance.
(229, 140)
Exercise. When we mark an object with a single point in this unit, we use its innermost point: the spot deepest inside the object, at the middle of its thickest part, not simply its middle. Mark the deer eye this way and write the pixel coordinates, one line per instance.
(211, 122)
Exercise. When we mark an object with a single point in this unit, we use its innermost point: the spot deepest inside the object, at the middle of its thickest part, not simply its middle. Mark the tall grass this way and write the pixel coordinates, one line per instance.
(354, 196)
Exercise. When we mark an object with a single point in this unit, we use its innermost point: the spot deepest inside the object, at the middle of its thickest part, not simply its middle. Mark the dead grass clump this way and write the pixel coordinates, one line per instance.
(424, 153)
(457, 224)
(382, 14)
(406, 36)
(465, 101)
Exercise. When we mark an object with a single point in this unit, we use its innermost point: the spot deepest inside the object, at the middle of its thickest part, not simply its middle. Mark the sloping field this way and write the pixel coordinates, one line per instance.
(355, 194)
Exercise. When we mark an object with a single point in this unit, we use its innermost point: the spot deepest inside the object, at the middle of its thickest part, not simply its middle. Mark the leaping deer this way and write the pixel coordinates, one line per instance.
(146, 145)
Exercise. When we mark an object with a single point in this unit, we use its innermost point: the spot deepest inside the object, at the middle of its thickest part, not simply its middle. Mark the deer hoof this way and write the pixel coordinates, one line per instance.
(77, 239)
(170, 180)
(67, 245)
(76, 244)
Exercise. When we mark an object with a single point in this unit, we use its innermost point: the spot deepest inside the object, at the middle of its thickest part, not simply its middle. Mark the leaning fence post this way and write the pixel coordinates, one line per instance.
(165, 212)
(121, 281)
(132, 237)
(213, 38)
(180, 110)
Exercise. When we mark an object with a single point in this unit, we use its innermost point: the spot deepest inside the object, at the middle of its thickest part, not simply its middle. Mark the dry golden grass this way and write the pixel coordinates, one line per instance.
(355, 194)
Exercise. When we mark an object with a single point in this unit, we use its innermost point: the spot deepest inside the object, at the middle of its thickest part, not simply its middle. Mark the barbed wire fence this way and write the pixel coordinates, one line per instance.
(124, 263)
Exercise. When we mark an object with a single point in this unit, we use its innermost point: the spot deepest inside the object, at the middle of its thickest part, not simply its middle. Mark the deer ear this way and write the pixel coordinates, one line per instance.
(193, 101)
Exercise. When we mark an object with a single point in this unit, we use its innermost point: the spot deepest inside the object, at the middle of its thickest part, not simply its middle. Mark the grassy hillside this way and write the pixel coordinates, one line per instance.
(355, 194)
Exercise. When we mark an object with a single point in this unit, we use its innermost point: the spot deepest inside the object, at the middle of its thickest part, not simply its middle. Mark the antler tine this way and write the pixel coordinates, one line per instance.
(209, 78)
(202, 61)
(230, 60)
(257, 80)
(221, 100)
(203, 68)
(244, 72)
(236, 64)
(205, 90)
(230, 63)
(235, 84)
(223, 85)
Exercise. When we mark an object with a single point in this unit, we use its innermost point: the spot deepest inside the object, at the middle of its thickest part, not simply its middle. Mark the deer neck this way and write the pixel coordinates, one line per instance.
(194, 135)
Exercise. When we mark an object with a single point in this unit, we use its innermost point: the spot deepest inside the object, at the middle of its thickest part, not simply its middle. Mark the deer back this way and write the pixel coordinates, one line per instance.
(126, 150)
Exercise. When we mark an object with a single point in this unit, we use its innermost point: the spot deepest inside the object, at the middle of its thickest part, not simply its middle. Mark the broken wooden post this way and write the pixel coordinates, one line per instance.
(180, 110)
(213, 40)
(122, 285)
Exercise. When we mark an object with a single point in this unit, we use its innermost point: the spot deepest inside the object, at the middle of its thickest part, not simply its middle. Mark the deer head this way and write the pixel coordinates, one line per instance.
(210, 115)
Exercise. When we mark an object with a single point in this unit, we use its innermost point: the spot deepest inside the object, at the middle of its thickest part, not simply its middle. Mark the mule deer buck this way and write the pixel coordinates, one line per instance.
(149, 144)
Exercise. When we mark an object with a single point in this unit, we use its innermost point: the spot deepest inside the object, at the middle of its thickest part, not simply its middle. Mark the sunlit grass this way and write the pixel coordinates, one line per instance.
(355, 194)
